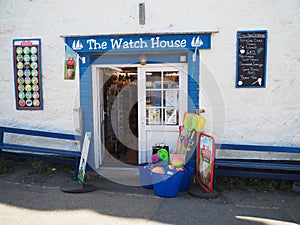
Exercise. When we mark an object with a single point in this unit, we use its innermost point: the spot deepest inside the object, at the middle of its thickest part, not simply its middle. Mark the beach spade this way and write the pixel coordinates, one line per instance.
(190, 122)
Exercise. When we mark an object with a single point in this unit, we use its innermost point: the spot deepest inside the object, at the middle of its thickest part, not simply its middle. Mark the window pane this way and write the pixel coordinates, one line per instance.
(153, 80)
(153, 116)
(171, 116)
(171, 80)
(171, 98)
(153, 98)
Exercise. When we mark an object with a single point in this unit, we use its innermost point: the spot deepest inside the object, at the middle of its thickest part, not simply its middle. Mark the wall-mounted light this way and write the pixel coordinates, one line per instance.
(142, 13)
(82, 59)
(143, 60)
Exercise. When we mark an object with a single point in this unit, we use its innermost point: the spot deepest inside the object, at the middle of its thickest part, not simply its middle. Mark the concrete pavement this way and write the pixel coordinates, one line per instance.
(30, 199)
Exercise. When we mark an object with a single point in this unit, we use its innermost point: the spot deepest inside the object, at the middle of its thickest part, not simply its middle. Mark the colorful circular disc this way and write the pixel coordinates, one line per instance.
(27, 73)
(27, 65)
(20, 80)
(35, 80)
(19, 50)
(28, 87)
(22, 103)
(26, 58)
(21, 94)
(20, 73)
(33, 50)
(26, 50)
(33, 58)
(28, 102)
(34, 65)
(21, 87)
(35, 87)
(19, 58)
(20, 65)
(28, 95)
(27, 80)
(36, 95)
(36, 102)
(34, 73)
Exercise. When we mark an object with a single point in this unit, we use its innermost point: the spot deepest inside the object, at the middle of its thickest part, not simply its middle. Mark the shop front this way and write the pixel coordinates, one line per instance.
(134, 91)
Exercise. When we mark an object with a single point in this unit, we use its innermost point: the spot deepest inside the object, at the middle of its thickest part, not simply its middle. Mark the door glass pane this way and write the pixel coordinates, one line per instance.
(171, 98)
(153, 98)
(153, 80)
(153, 116)
(171, 80)
(162, 97)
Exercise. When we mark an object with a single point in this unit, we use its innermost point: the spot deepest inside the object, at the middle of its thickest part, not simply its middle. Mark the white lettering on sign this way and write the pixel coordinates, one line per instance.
(157, 43)
(124, 44)
(93, 44)
(119, 43)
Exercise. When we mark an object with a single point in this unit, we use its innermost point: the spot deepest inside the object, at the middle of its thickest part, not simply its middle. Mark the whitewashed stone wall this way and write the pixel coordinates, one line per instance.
(268, 116)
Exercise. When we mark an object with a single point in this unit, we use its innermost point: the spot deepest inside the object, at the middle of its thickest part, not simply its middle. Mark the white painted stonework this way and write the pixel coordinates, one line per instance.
(263, 116)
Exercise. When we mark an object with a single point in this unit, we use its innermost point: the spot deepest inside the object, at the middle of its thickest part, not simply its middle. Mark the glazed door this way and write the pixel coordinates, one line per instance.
(162, 94)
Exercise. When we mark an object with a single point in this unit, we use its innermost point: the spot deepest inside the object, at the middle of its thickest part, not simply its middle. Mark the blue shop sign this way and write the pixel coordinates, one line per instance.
(139, 42)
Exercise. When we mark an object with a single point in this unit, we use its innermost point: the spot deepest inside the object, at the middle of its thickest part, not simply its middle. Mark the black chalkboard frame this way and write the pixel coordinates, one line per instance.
(253, 83)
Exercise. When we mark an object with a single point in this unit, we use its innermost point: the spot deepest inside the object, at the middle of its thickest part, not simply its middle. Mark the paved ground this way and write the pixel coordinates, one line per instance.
(26, 198)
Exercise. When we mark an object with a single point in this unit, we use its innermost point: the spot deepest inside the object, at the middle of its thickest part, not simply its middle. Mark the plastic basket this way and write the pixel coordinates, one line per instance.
(165, 185)
(145, 176)
(186, 179)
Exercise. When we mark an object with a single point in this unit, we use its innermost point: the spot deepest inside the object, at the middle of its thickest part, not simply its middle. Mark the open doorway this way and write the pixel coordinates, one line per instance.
(120, 119)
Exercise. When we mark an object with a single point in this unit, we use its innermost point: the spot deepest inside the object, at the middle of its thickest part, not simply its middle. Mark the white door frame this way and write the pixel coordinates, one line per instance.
(98, 109)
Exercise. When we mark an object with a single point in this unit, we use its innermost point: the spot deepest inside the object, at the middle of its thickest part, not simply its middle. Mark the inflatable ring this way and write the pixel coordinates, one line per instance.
(163, 154)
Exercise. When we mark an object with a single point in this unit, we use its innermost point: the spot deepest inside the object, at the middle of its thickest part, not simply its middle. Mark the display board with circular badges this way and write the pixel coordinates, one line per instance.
(27, 69)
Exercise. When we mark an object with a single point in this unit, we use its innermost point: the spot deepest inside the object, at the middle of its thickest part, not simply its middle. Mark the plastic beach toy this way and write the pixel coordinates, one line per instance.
(163, 154)
(159, 170)
(177, 161)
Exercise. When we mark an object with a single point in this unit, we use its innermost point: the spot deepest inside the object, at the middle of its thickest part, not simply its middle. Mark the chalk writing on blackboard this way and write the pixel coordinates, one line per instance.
(251, 58)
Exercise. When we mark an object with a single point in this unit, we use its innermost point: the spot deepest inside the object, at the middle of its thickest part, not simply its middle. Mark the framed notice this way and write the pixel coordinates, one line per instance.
(251, 59)
(27, 74)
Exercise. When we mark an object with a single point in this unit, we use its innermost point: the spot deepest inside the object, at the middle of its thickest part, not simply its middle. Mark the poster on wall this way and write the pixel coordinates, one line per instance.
(70, 63)
(205, 162)
(251, 59)
(27, 74)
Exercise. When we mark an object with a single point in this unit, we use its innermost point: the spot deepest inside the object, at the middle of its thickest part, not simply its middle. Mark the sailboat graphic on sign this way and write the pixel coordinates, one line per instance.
(196, 42)
(77, 45)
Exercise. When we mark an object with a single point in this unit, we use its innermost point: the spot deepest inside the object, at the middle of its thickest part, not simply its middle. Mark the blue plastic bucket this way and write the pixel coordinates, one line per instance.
(165, 185)
(145, 176)
(186, 179)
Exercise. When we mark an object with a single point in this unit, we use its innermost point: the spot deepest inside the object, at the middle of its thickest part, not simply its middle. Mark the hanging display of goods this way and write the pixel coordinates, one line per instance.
(27, 73)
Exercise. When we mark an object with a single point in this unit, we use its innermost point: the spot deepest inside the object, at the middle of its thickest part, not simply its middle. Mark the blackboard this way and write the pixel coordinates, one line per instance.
(251, 59)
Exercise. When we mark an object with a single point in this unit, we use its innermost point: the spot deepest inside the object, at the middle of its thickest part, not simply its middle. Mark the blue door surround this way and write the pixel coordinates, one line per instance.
(126, 49)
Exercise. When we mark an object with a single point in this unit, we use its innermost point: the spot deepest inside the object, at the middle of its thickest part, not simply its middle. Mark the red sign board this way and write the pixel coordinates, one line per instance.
(205, 162)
